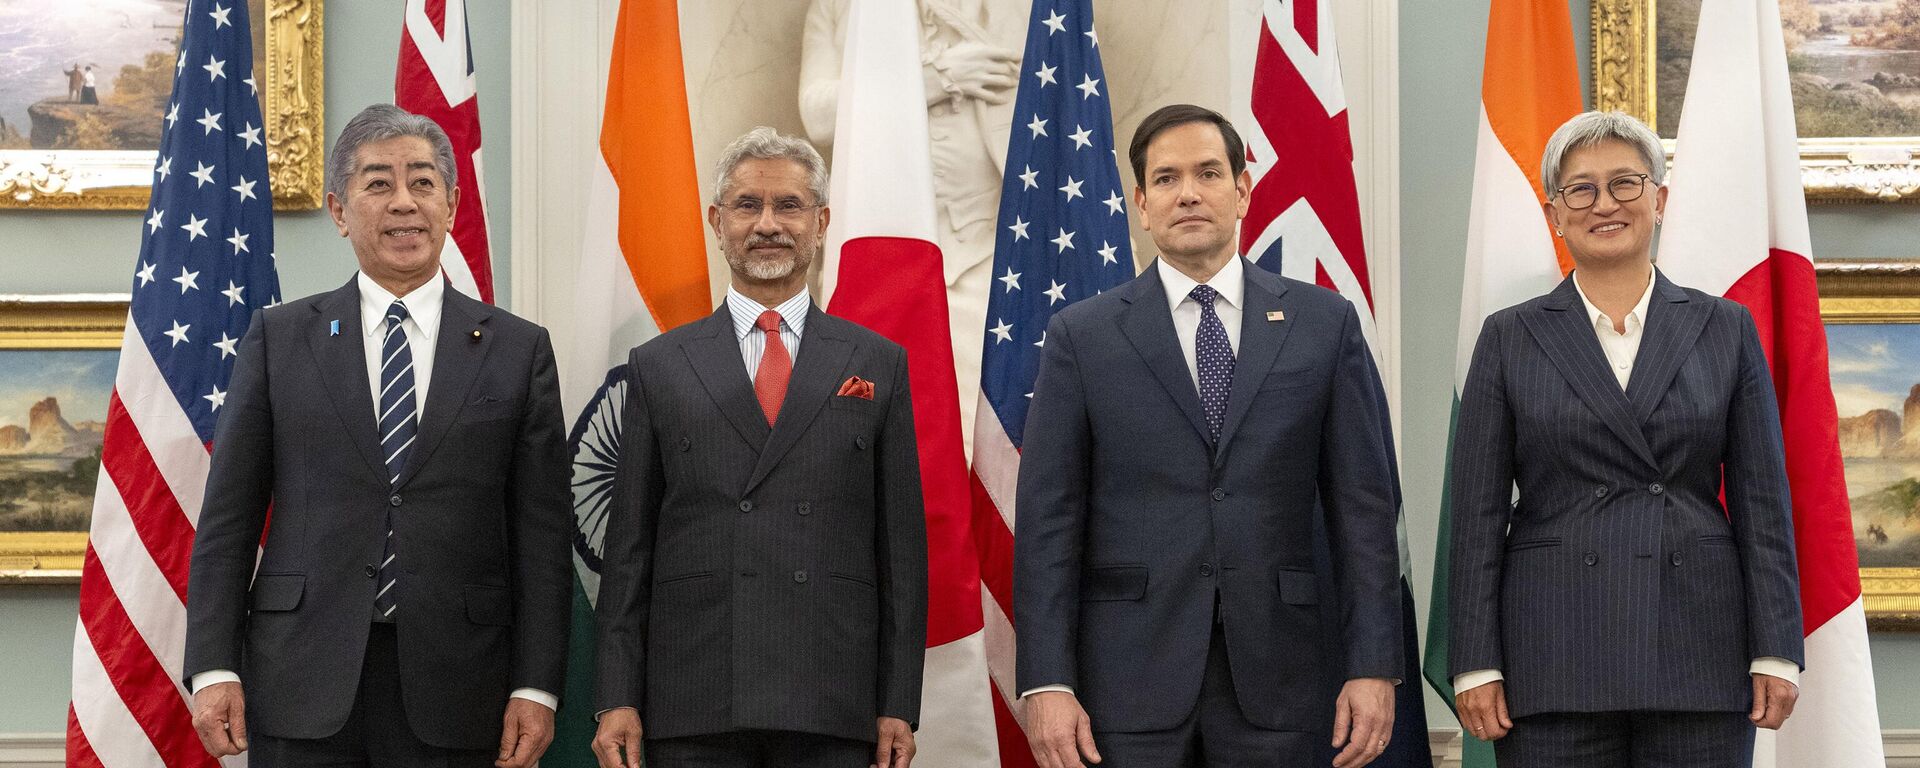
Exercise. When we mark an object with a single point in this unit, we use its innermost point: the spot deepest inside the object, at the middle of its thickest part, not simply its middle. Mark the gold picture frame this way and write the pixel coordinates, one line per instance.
(289, 37)
(47, 326)
(1875, 294)
(1832, 169)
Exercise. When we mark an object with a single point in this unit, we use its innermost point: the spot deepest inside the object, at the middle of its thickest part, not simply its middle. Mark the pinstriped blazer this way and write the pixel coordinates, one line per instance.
(1618, 580)
(764, 578)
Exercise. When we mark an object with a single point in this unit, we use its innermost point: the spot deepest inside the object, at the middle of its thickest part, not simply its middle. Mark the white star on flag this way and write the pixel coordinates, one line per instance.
(1057, 293)
(154, 221)
(1045, 73)
(1019, 229)
(245, 188)
(1089, 87)
(233, 294)
(196, 227)
(219, 15)
(166, 167)
(1094, 39)
(1027, 179)
(173, 114)
(179, 333)
(187, 280)
(204, 173)
(1055, 23)
(1038, 126)
(1003, 331)
(239, 242)
(145, 274)
(1115, 202)
(210, 120)
(215, 68)
(1065, 241)
(251, 135)
(1012, 279)
(225, 345)
(218, 398)
(1081, 138)
(1072, 189)
(1107, 253)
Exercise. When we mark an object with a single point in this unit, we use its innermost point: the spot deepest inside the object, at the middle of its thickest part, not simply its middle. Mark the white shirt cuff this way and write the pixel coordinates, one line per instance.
(1467, 681)
(536, 696)
(212, 676)
(1045, 689)
(1777, 667)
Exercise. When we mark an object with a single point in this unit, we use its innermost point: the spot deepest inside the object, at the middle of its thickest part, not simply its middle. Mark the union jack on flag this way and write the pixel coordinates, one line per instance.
(1062, 236)
(206, 264)
(435, 78)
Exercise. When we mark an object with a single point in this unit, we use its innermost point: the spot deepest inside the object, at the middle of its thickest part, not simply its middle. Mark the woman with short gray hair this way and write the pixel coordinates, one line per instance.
(1638, 604)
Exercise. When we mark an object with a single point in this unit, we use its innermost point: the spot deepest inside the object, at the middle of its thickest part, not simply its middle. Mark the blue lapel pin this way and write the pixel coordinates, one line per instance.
(333, 327)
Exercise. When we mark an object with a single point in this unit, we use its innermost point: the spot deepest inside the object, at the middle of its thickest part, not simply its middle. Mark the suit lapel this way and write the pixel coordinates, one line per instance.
(1560, 325)
(341, 357)
(1148, 325)
(714, 353)
(1260, 343)
(457, 356)
(823, 356)
(1672, 325)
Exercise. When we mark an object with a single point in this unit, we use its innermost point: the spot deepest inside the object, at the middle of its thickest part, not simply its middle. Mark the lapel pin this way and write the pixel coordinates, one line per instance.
(333, 327)
(1276, 316)
(476, 334)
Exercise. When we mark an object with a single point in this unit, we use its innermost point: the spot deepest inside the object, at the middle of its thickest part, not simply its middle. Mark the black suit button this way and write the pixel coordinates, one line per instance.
(394, 500)
(1600, 492)
(804, 508)
(1656, 489)
(1592, 558)
(1675, 558)
(746, 506)
(860, 443)
(1206, 569)
(1219, 495)
(685, 445)
(370, 571)
(799, 577)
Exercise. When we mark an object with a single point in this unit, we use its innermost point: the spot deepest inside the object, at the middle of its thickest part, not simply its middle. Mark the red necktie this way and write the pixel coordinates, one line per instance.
(776, 366)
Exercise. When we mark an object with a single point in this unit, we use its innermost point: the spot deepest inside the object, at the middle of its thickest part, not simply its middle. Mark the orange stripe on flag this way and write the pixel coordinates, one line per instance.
(647, 141)
(1531, 84)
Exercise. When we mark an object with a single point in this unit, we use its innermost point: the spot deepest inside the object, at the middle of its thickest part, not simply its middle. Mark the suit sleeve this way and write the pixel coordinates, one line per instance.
(1760, 506)
(541, 520)
(1481, 504)
(900, 549)
(626, 579)
(1357, 492)
(1055, 473)
(233, 513)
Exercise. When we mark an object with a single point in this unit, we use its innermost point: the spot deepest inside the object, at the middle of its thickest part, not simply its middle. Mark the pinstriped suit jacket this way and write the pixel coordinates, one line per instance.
(1618, 580)
(764, 578)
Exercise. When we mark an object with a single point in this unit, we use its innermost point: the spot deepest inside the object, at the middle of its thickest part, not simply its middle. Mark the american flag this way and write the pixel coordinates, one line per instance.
(206, 264)
(435, 78)
(1062, 236)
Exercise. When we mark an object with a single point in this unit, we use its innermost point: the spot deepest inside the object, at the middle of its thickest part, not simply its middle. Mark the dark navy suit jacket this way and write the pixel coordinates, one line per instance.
(1130, 523)
(1619, 580)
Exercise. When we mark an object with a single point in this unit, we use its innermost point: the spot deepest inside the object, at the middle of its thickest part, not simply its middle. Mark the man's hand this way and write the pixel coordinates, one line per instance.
(220, 717)
(1483, 710)
(893, 745)
(1773, 700)
(527, 732)
(1058, 731)
(980, 71)
(1362, 721)
(617, 742)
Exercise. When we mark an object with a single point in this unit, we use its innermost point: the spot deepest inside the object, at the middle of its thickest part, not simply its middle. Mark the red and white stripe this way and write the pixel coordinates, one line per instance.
(435, 78)
(1738, 228)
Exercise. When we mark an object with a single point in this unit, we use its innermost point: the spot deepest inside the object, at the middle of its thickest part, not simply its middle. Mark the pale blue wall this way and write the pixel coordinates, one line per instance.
(73, 251)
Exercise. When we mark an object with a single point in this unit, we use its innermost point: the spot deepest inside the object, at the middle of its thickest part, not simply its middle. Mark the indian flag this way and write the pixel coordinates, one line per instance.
(1529, 87)
(643, 270)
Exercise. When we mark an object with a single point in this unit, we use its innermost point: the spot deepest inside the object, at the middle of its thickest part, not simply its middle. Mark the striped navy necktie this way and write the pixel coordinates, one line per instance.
(399, 424)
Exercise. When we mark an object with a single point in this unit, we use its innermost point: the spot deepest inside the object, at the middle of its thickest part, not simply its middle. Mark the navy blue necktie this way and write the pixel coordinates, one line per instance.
(1213, 357)
(399, 424)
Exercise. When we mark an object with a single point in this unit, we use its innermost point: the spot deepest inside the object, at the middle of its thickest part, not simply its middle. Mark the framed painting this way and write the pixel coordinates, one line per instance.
(1855, 71)
(58, 357)
(1872, 316)
(84, 86)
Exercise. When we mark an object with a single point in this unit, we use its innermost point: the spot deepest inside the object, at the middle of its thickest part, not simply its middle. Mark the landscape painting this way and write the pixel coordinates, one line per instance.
(86, 74)
(1876, 384)
(53, 412)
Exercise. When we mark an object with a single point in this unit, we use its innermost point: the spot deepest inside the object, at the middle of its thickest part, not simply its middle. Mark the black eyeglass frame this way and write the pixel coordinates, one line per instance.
(1645, 179)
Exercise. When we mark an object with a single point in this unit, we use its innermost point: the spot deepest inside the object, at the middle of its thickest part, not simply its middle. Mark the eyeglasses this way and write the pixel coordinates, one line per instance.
(1624, 189)
(750, 209)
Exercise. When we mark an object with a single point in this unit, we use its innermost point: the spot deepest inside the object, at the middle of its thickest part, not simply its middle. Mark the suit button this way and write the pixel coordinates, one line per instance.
(1656, 489)
(860, 443)
(1675, 558)
(1206, 569)
(685, 445)
(1219, 495)
(799, 577)
(1592, 558)
(370, 571)
(1600, 492)
(804, 508)
(746, 506)
(394, 500)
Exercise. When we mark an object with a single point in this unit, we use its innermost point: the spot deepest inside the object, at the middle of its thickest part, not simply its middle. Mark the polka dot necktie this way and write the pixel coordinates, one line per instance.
(776, 366)
(1213, 355)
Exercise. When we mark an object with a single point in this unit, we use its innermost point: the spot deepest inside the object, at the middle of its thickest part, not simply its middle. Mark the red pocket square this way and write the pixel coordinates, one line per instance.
(857, 387)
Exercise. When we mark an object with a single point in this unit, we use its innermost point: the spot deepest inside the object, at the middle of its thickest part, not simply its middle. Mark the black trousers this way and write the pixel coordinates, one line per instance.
(1628, 740)
(758, 749)
(1215, 735)
(376, 735)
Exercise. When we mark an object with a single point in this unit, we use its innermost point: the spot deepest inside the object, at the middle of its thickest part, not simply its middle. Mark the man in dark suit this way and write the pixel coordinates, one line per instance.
(764, 598)
(1183, 426)
(410, 606)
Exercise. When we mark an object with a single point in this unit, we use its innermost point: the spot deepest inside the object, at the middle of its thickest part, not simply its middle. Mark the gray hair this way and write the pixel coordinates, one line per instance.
(381, 122)
(764, 143)
(1589, 128)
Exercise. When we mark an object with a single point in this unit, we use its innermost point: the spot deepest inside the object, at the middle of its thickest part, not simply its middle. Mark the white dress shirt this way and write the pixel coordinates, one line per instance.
(1621, 350)
(422, 326)
(753, 341)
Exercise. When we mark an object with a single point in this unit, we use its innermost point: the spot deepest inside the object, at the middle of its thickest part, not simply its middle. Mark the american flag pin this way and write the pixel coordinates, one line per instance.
(333, 327)
(1276, 316)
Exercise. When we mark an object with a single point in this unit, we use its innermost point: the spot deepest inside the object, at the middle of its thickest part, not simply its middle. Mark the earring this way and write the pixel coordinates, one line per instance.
(1558, 233)
(1658, 220)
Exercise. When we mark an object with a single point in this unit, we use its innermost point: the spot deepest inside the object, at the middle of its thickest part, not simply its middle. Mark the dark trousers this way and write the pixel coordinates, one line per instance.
(1216, 734)
(376, 735)
(1628, 740)
(758, 749)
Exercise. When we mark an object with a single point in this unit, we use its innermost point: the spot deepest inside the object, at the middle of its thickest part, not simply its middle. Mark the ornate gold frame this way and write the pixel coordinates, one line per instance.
(60, 322)
(1831, 169)
(1878, 292)
(292, 94)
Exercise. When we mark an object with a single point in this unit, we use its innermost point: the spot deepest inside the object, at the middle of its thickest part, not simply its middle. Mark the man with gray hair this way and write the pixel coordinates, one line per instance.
(764, 596)
(410, 602)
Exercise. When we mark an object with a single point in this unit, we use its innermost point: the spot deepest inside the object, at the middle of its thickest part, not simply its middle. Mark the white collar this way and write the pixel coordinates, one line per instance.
(423, 305)
(1635, 317)
(746, 311)
(1230, 282)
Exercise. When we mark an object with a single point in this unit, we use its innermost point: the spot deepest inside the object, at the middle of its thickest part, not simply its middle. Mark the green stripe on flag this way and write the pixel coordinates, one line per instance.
(1474, 752)
(574, 725)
